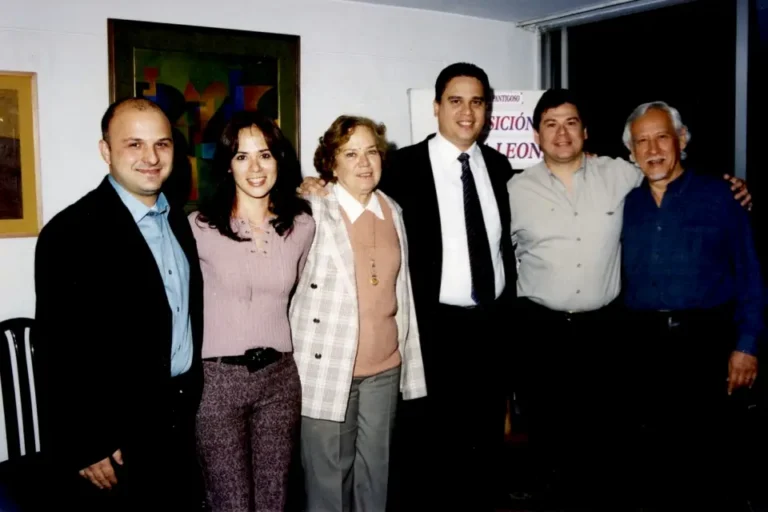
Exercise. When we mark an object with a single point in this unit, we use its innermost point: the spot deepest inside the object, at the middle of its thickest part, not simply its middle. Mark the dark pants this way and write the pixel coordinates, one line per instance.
(160, 469)
(689, 450)
(449, 444)
(572, 391)
(247, 429)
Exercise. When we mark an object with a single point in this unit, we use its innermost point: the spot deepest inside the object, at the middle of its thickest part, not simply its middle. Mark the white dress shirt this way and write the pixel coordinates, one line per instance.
(456, 284)
(352, 206)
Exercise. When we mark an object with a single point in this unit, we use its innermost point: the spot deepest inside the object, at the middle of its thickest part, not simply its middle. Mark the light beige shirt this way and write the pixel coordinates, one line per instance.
(568, 245)
(456, 281)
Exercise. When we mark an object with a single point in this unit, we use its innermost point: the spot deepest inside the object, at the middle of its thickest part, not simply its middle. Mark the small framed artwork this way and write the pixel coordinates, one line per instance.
(200, 76)
(19, 162)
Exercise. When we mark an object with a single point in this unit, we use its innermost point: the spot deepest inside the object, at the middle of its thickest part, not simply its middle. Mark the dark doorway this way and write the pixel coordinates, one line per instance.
(683, 54)
(757, 131)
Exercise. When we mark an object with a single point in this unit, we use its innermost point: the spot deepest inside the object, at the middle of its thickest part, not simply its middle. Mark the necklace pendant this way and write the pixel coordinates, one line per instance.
(374, 280)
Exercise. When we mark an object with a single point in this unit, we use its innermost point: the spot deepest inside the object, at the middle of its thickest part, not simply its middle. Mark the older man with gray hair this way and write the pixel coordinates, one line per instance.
(693, 287)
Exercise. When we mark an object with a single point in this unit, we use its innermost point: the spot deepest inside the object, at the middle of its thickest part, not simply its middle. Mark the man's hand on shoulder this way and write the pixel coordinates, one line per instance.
(102, 474)
(742, 193)
(312, 186)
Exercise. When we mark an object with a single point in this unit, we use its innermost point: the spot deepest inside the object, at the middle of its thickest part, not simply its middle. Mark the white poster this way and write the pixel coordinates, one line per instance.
(511, 124)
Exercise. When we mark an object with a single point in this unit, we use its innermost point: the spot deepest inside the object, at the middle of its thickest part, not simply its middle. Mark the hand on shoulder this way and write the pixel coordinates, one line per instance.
(312, 186)
(741, 192)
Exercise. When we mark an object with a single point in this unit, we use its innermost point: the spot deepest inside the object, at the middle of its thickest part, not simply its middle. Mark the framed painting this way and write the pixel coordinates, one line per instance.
(19, 162)
(200, 76)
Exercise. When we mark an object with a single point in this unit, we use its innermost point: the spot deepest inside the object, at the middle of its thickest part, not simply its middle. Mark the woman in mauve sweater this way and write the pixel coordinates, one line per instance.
(253, 237)
(354, 325)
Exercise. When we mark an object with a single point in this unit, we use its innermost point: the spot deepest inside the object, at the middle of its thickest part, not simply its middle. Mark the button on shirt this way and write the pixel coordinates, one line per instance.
(695, 251)
(568, 245)
(173, 266)
(456, 284)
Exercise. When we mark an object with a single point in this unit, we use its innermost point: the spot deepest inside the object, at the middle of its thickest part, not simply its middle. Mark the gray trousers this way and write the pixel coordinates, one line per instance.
(346, 465)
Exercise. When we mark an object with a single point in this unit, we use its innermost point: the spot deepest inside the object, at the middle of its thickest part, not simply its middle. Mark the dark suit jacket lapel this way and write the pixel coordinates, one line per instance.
(500, 175)
(424, 183)
(499, 180)
(122, 231)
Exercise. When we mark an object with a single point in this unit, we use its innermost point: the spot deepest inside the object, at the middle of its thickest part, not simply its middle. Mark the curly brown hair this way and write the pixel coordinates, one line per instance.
(337, 135)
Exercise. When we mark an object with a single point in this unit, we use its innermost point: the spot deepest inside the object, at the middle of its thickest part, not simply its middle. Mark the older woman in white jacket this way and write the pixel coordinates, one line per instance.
(353, 323)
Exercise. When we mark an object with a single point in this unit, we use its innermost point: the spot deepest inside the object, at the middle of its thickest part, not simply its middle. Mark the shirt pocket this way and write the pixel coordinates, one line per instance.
(603, 224)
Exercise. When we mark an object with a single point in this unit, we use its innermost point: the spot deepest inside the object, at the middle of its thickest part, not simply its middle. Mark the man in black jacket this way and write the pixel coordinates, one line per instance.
(119, 315)
(452, 189)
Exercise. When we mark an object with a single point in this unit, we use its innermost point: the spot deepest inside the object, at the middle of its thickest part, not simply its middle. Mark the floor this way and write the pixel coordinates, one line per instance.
(518, 496)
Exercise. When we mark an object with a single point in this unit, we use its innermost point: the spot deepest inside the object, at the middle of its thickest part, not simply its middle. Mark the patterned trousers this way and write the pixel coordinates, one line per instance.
(247, 427)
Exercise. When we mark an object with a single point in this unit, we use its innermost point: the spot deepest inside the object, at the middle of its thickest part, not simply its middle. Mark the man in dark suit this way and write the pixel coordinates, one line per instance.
(453, 192)
(119, 315)
(456, 213)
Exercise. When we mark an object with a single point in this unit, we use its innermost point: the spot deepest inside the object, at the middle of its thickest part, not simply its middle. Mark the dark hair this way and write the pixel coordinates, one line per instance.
(553, 98)
(131, 101)
(338, 134)
(462, 69)
(285, 203)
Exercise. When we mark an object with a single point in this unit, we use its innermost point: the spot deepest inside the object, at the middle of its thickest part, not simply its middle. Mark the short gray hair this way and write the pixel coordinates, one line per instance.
(674, 115)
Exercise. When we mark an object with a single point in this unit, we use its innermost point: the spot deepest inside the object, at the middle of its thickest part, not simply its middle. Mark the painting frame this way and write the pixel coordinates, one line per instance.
(127, 38)
(25, 86)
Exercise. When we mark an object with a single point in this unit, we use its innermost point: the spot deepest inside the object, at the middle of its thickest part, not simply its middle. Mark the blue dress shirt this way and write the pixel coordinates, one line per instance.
(173, 266)
(695, 251)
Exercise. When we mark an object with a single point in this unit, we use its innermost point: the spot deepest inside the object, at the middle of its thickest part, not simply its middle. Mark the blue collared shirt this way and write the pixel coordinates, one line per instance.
(695, 251)
(173, 266)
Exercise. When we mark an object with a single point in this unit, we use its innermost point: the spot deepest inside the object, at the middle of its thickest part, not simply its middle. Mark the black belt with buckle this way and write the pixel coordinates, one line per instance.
(675, 318)
(254, 359)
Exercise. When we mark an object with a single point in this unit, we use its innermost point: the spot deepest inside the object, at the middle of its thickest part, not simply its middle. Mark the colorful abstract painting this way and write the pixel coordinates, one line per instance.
(200, 76)
(199, 93)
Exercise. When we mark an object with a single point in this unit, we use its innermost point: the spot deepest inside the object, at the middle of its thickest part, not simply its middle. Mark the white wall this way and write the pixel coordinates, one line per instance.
(355, 58)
